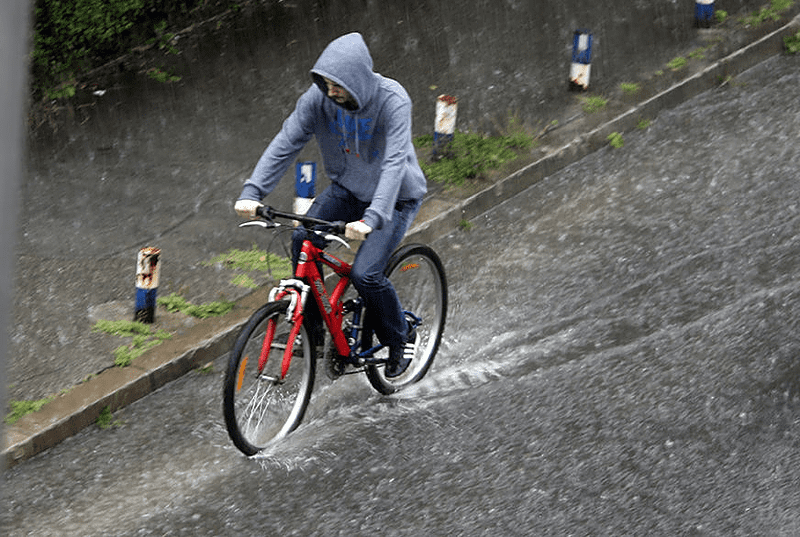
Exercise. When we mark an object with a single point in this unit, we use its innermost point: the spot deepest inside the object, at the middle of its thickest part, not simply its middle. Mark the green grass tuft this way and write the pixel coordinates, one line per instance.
(176, 303)
(143, 338)
(772, 12)
(792, 43)
(594, 104)
(678, 63)
(470, 155)
(105, 419)
(253, 260)
(23, 408)
(615, 140)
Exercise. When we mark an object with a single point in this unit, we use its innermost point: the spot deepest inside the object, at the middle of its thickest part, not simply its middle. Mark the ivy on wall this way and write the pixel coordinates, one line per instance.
(73, 36)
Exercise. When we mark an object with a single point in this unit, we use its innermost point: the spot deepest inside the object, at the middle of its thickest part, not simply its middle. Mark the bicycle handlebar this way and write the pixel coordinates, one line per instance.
(269, 213)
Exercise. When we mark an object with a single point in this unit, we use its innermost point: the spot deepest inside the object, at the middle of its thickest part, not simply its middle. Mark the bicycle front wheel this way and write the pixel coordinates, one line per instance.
(260, 403)
(418, 277)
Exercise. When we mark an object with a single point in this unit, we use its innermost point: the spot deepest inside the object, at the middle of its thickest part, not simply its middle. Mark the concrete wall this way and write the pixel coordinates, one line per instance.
(497, 56)
(196, 140)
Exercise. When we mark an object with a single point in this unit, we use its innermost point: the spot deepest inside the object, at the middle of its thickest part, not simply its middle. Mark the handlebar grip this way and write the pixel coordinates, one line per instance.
(338, 227)
(264, 212)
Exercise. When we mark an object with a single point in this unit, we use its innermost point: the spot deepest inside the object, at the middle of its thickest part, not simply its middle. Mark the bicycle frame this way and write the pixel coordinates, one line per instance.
(330, 305)
(267, 399)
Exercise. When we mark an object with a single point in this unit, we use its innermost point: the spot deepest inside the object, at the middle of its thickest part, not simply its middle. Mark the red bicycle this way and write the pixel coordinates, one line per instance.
(272, 365)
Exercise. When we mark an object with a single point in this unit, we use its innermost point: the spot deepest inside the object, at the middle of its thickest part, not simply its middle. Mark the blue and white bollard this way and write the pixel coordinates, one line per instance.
(148, 268)
(304, 186)
(703, 13)
(581, 66)
(445, 127)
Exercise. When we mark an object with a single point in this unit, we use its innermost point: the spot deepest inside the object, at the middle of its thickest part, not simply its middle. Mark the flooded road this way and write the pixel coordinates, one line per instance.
(621, 357)
(135, 162)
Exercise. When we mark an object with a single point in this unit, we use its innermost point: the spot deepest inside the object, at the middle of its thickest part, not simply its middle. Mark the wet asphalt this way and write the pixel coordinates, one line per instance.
(67, 279)
(620, 359)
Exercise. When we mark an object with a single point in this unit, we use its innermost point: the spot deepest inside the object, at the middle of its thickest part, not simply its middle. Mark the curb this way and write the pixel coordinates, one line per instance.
(585, 144)
(117, 387)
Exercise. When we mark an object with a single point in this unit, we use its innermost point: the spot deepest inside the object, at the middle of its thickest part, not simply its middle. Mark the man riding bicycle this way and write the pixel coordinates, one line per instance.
(362, 123)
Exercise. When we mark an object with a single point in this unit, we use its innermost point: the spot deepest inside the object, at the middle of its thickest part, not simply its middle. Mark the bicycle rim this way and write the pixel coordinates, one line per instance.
(417, 274)
(261, 406)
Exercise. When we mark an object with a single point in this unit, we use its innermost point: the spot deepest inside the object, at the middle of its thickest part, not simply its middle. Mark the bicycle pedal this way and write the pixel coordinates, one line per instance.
(334, 370)
(371, 360)
(335, 364)
(350, 305)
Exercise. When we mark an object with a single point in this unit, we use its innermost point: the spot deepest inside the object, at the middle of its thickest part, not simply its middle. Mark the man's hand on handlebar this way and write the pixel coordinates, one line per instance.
(357, 231)
(247, 208)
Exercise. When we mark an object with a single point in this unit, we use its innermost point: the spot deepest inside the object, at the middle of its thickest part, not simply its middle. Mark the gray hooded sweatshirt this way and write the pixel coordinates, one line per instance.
(367, 150)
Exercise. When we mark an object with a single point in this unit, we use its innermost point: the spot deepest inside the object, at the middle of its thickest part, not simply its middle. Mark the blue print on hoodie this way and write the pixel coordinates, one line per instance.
(344, 126)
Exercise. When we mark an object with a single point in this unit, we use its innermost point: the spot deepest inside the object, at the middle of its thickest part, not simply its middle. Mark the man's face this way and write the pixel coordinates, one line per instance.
(338, 93)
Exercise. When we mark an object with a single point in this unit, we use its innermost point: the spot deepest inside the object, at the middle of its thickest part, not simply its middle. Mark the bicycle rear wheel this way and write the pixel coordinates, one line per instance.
(417, 274)
(259, 403)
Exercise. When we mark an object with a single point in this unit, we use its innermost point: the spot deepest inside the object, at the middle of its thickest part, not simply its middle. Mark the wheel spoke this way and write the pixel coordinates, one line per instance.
(418, 277)
(261, 406)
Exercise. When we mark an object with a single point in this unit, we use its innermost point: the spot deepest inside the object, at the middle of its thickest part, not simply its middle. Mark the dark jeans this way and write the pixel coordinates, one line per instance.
(380, 298)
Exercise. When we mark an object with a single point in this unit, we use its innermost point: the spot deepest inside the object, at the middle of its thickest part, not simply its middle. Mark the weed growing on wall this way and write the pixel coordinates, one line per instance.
(23, 408)
(615, 140)
(594, 104)
(142, 338)
(176, 303)
(630, 87)
(771, 12)
(792, 43)
(677, 63)
(71, 37)
(105, 419)
(68, 34)
(253, 260)
(470, 155)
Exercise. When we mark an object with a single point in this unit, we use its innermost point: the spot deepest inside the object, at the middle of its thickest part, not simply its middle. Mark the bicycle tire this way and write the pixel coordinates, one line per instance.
(259, 408)
(418, 276)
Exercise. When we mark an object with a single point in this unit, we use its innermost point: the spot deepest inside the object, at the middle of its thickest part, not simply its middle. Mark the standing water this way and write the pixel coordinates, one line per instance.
(620, 358)
(132, 162)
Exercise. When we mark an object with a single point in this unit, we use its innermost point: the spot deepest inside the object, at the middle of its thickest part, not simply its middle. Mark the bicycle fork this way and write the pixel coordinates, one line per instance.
(297, 292)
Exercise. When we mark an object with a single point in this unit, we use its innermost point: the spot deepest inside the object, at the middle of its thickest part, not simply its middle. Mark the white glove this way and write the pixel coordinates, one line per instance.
(357, 231)
(247, 208)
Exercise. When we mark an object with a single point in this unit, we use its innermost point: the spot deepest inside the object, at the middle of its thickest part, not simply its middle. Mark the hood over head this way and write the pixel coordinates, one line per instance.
(347, 61)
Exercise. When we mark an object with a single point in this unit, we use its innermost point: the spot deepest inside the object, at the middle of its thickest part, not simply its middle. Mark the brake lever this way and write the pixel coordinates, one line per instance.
(332, 237)
(260, 223)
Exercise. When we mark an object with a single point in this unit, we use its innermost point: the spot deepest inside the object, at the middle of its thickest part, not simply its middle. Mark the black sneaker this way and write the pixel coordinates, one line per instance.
(400, 356)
